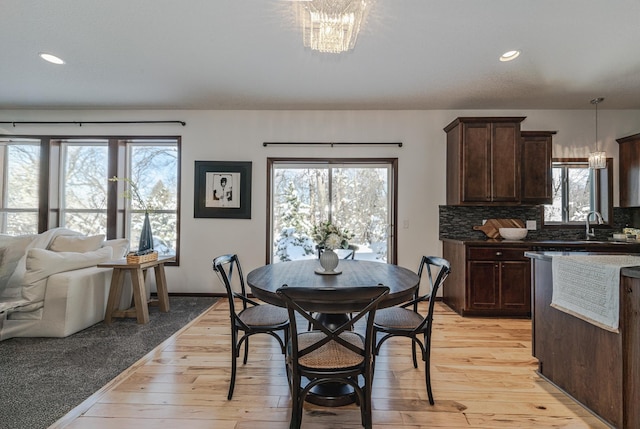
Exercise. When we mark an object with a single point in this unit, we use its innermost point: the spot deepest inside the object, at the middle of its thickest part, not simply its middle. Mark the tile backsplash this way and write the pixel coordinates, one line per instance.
(458, 222)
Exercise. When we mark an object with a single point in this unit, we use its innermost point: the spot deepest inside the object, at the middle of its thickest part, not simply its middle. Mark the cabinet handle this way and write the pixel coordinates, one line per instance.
(498, 253)
(629, 290)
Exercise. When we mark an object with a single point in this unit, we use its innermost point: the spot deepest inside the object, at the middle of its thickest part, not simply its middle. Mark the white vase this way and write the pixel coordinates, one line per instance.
(329, 260)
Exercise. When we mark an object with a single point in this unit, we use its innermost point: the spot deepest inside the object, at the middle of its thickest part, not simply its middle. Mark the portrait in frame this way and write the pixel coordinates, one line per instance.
(222, 189)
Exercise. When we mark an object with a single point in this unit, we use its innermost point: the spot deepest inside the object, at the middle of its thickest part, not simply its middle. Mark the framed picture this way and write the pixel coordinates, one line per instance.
(222, 189)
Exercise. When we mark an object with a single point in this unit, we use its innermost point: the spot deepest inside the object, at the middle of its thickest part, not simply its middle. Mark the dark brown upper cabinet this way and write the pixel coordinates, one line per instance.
(483, 160)
(629, 183)
(537, 179)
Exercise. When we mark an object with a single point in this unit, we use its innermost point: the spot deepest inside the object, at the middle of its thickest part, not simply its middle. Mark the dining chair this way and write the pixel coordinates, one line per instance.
(330, 354)
(350, 254)
(406, 321)
(352, 251)
(251, 317)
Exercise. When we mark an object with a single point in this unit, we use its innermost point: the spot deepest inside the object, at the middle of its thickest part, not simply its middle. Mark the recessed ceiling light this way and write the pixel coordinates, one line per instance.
(51, 58)
(509, 55)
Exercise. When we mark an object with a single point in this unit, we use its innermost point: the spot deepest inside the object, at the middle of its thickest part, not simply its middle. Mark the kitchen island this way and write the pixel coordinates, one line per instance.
(599, 368)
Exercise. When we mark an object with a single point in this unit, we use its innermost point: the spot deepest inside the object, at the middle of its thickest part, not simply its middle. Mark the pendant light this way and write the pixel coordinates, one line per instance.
(597, 159)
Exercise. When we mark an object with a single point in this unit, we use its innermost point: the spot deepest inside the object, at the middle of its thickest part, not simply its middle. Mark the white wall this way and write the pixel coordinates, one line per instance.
(238, 136)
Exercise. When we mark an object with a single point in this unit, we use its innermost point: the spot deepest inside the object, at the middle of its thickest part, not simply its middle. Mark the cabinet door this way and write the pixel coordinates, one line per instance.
(476, 176)
(515, 293)
(629, 156)
(630, 324)
(505, 162)
(536, 167)
(483, 283)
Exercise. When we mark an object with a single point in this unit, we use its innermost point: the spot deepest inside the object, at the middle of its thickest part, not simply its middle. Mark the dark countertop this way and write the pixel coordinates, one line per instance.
(630, 272)
(548, 256)
(553, 244)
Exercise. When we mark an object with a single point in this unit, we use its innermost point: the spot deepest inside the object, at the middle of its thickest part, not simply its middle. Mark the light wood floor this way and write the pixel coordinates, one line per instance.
(483, 376)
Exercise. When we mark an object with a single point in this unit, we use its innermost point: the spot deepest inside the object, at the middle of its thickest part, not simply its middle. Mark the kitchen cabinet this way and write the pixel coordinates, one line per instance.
(537, 179)
(483, 160)
(493, 277)
(629, 156)
(498, 281)
(488, 281)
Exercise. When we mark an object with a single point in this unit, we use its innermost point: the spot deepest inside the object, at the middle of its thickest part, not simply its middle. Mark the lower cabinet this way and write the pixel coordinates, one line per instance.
(499, 281)
(488, 281)
(495, 280)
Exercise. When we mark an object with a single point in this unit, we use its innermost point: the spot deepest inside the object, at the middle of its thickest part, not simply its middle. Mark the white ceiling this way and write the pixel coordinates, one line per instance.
(248, 54)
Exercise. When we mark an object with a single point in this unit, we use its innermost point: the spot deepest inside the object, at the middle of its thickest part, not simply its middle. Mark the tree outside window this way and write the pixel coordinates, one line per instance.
(577, 191)
(355, 196)
(78, 192)
(19, 178)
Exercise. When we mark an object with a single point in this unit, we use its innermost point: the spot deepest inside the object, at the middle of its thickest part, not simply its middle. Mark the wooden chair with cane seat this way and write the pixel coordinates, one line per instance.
(406, 321)
(251, 318)
(331, 354)
(350, 252)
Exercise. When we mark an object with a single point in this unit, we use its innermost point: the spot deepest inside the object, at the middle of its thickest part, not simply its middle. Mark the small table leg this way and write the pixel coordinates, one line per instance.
(115, 290)
(161, 286)
(139, 296)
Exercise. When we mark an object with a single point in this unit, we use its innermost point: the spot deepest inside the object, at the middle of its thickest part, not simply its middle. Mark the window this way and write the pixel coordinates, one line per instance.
(78, 194)
(153, 166)
(577, 191)
(83, 185)
(356, 195)
(19, 178)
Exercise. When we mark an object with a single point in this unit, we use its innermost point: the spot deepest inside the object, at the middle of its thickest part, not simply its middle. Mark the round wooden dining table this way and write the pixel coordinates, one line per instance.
(265, 281)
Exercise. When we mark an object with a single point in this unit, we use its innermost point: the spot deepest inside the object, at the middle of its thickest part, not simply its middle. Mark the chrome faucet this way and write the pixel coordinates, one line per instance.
(590, 233)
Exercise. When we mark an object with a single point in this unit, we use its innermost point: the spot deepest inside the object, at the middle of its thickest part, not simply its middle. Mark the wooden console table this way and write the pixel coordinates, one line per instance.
(140, 309)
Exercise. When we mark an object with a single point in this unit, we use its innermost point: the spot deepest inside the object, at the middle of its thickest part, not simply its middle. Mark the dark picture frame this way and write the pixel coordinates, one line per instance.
(222, 189)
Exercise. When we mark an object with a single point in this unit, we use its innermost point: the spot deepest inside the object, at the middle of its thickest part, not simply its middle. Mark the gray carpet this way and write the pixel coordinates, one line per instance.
(42, 379)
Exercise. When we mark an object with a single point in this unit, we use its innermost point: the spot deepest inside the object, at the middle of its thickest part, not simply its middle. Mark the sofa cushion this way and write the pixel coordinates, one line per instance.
(120, 247)
(11, 250)
(75, 243)
(43, 263)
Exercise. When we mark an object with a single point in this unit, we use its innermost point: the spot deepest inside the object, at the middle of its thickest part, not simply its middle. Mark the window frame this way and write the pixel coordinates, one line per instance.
(4, 166)
(65, 144)
(49, 186)
(337, 162)
(603, 200)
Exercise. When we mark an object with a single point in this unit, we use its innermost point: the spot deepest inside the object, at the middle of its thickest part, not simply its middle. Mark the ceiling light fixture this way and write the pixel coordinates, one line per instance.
(597, 159)
(51, 58)
(332, 26)
(509, 56)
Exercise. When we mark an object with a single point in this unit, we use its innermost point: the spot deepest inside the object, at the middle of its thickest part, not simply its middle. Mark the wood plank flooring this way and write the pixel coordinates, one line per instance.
(483, 376)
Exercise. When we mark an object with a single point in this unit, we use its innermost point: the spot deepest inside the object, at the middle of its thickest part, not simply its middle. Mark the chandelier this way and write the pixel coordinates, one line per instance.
(597, 159)
(332, 25)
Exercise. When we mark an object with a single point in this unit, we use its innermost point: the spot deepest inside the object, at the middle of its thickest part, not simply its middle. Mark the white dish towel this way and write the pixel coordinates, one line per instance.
(588, 287)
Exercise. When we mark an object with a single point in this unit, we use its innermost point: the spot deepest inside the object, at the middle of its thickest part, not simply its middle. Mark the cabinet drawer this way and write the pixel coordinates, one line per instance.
(497, 254)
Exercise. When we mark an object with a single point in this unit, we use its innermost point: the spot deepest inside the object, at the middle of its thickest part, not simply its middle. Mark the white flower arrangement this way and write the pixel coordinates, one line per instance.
(330, 236)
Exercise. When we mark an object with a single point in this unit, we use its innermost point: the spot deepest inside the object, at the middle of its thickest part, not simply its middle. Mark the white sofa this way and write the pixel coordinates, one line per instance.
(50, 285)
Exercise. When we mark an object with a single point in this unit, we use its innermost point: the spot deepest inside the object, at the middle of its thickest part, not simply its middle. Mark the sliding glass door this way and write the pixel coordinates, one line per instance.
(355, 195)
